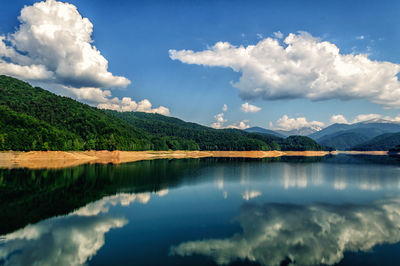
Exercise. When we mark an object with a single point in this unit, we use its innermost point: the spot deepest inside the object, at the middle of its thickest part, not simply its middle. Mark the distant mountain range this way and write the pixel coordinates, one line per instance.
(304, 131)
(357, 136)
(264, 131)
(373, 134)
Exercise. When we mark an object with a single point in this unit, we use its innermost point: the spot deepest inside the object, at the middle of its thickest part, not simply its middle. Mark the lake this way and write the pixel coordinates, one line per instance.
(274, 211)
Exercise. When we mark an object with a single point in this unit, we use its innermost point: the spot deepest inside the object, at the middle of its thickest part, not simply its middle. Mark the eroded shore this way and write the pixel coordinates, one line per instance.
(62, 159)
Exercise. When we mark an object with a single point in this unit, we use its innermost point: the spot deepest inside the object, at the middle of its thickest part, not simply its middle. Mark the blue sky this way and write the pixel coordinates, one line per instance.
(135, 37)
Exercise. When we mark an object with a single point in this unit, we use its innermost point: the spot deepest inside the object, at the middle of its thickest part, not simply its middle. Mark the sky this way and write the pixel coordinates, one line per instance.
(274, 64)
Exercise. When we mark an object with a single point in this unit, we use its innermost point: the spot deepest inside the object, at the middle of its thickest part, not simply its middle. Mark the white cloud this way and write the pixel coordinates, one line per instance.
(53, 46)
(363, 118)
(219, 121)
(311, 234)
(366, 117)
(340, 119)
(361, 37)
(225, 108)
(302, 67)
(260, 36)
(249, 108)
(240, 125)
(127, 104)
(286, 123)
(278, 34)
(55, 37)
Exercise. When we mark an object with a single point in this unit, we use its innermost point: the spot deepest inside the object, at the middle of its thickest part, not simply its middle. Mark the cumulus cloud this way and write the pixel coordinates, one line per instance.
(302, 67)
(286, 123)
(340, 119)
(239, 125)
(55, 37)
(304, 234)
(225, 108)
(249, 108)
(127, 104)
(219, 121)
(53, 46)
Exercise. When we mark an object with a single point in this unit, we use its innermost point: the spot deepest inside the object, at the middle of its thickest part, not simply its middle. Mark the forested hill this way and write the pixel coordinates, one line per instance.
(35, 119)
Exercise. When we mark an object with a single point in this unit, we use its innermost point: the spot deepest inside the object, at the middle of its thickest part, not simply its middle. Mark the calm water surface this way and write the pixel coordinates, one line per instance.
(303, 211)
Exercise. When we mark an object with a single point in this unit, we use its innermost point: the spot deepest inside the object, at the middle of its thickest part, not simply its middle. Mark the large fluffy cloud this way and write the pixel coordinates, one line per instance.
(287, 123)
(53, 47)
(302, 234)
(301, 67)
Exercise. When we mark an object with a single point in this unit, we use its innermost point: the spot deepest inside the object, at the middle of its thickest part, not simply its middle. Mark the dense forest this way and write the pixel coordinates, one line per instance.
(32, 118)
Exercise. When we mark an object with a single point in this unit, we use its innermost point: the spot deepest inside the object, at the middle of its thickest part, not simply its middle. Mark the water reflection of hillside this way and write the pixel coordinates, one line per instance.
(283, 234)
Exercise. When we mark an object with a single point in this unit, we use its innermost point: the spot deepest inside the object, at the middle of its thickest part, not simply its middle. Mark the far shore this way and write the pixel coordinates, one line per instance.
(62, 159)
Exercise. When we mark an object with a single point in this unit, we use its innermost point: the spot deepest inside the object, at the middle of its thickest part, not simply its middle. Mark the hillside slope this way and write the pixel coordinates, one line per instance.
(35, 119)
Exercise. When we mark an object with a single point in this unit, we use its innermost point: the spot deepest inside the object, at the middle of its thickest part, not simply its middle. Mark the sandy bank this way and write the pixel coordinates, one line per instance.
(61, 159)
(363, 152)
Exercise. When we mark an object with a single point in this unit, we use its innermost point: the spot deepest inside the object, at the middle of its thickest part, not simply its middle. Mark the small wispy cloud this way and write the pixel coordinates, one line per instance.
(278, 34)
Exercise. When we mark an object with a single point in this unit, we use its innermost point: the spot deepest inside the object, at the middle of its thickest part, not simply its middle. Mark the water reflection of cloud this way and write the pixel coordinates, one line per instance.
(68, 240)
(124, 199)
(305, 234)
(295, 176)
(250, 194)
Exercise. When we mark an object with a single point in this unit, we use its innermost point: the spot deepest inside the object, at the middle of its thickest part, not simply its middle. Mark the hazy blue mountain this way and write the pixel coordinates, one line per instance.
(343, 141)
(346, 139)
(382, 142)
(329, 130)
(370, 129)
(263, 131)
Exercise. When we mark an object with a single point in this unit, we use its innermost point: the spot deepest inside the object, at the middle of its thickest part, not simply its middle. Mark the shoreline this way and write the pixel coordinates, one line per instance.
(63, 159)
